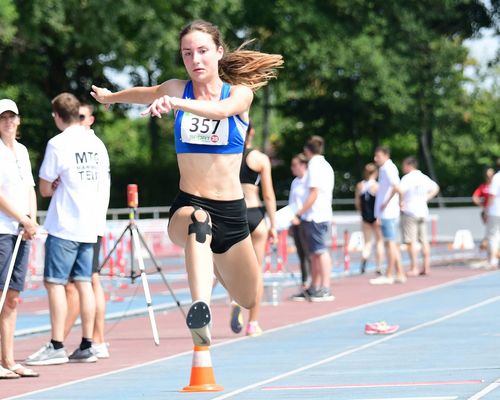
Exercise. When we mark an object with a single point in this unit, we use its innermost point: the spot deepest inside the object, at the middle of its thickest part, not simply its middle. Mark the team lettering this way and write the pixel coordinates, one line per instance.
(87, 164)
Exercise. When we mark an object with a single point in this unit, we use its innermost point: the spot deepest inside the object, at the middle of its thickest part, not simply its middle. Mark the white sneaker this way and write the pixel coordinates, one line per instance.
(382, 280)
(100, 350)
(47, 355)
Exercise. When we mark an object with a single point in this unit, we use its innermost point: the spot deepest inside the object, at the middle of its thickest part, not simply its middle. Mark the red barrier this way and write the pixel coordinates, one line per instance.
(347, 257)
(267, 258)
(334, 236)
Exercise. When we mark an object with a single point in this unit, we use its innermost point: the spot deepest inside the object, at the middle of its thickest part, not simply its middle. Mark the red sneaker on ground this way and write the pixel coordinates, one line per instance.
(380, 328)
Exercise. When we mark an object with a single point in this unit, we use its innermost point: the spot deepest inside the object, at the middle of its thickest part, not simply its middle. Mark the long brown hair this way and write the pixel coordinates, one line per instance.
(240, 67)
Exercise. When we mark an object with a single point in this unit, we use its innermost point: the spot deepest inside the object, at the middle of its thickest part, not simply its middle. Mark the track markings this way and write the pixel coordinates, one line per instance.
(360, 348)
(375, 385)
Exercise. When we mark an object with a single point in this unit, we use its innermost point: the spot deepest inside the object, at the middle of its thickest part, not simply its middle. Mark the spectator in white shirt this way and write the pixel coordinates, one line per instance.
(387, 213)
(415, 190)
(74, 171)
(316, 215)
(99, 345)
(296, 198)
(17, 207)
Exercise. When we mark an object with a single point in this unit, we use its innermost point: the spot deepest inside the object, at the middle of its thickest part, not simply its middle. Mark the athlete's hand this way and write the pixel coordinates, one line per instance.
(101, 95)
(162, 105)
(273, 235)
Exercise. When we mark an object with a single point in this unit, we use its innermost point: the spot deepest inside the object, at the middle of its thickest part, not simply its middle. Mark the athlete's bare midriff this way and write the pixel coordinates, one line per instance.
(211, 176)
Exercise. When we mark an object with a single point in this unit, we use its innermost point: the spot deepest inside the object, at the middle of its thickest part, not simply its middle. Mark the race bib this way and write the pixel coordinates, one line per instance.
(200, 130)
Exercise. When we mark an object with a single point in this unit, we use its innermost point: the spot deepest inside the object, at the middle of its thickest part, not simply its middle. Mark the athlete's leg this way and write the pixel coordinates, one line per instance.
(259, 239)
(190, 228)
(240, 273)
(198, 255)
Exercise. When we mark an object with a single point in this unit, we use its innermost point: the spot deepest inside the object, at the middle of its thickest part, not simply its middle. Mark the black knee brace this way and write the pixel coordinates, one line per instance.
(201, 229)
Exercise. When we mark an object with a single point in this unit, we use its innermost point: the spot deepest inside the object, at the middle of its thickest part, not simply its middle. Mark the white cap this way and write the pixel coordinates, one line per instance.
(8, 105)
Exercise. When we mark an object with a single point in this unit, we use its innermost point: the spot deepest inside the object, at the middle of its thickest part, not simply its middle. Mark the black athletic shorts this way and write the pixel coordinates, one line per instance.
(229, 219)
(255, 215)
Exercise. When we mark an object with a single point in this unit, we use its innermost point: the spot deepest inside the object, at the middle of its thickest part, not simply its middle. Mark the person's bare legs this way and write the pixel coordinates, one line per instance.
(426, 255)
(379, 246)
(315, 271)
(391, 257)
(325, 266)
(87, 307)
(100, 309)
(412, 253)
(367, 248)
(58, 307)
(8, 326)
(73, 303)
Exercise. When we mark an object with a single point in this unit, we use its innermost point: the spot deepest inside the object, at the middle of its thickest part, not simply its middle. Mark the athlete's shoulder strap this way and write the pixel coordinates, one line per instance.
(226, 89)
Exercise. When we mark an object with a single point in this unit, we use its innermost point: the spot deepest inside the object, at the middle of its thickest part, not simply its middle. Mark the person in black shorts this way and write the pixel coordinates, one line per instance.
(364, 200)
(255, 174)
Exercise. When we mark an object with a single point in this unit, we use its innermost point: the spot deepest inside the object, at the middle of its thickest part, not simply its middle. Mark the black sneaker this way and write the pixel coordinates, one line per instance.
(83, 356)
(304, 295)
(322, 294)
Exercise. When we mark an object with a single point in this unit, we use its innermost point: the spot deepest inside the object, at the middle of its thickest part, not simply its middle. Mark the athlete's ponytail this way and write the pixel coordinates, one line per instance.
(240, 67)
(249, 68)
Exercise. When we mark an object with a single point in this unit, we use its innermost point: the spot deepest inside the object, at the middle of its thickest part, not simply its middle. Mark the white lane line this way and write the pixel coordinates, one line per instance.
(488, 389)
(417, 398)
(267, 331)
(360, 348)
(373, 385)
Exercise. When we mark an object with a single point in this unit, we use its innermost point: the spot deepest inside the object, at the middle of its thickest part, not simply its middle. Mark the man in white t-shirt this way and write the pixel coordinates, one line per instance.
(387, 214)
(316, 215)
(74, 171)
(493, 219)
(415, 190)
(99, 345)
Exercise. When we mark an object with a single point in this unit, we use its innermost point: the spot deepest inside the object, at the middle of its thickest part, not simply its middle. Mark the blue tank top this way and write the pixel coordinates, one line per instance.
(195, 134)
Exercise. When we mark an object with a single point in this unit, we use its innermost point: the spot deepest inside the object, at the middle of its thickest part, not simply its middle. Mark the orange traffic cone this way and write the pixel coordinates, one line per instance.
(202, 374)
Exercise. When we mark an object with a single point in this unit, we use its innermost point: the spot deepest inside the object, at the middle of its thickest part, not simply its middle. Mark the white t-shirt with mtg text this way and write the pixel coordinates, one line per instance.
(320, 175)
(80, 160)
(388, 177)
(16, 184)
(415, 186)
(494, 206)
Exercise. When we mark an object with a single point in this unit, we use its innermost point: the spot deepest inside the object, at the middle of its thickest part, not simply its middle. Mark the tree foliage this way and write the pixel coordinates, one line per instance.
(358, 72)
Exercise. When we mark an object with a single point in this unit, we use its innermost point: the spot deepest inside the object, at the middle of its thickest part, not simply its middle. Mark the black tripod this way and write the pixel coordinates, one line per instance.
(135, 249)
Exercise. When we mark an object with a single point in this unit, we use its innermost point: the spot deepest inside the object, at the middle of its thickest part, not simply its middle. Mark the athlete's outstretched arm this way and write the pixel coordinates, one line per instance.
(138, 95)
(238, 102)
